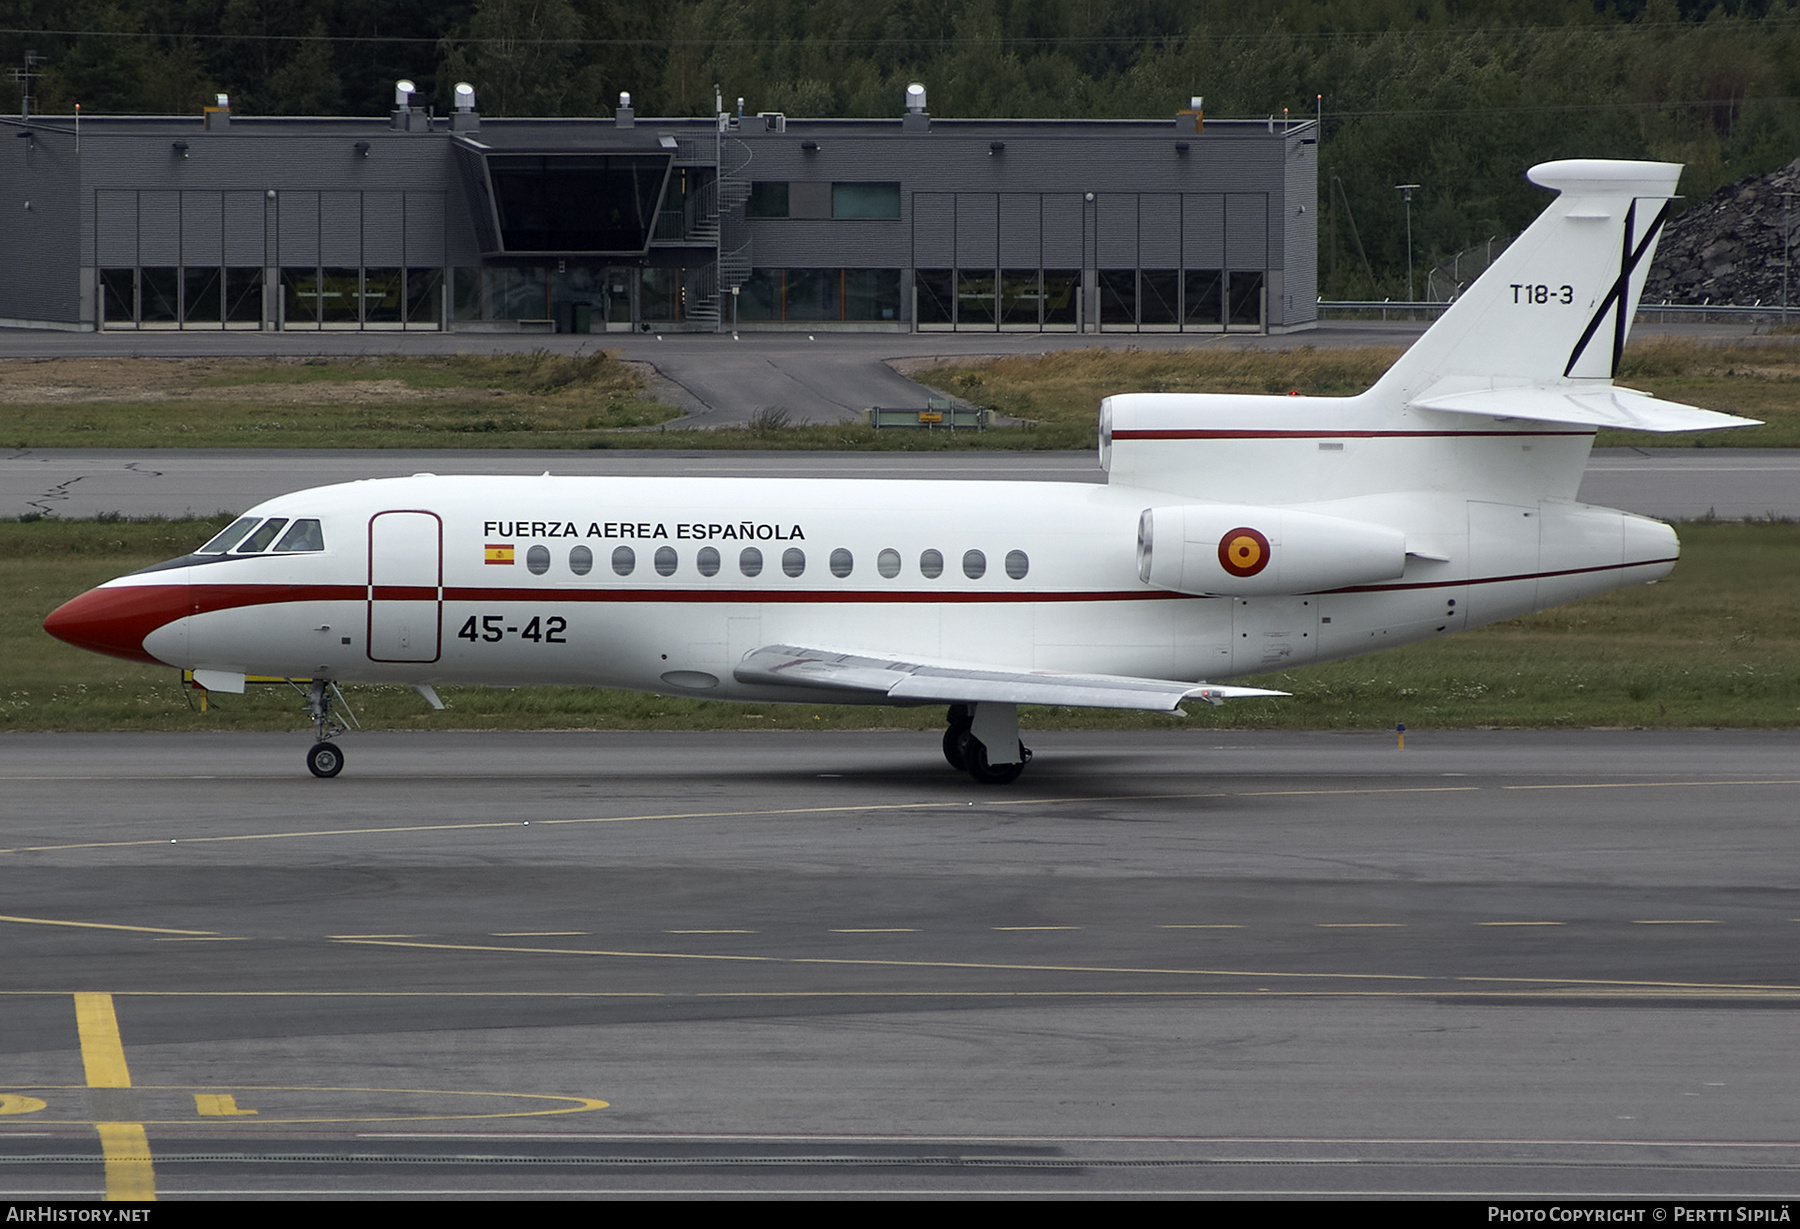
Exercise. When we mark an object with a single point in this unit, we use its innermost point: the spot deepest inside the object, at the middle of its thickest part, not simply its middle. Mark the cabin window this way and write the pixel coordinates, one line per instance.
(624, 560)
(1017, 564)
(304, 535)
(666, 560)
(793, 561)
(259, 541)
(842, 563)
(888, 563)
(974, 564)
(750, 561)
(707, 561)
(229, 537)
(581, 560)
(931, 564)
(537, 560)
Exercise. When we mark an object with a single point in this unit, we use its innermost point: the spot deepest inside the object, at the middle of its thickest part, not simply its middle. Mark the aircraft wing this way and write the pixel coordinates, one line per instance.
(792, 666)
(1623, 408)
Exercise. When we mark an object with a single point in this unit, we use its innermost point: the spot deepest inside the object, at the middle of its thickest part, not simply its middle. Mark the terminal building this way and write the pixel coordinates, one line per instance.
(418, 221)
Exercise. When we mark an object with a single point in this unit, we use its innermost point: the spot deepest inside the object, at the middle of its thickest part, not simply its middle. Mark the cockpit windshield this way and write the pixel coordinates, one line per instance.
(239, 539)
(229, 537)
(303, 536)
(265, 534)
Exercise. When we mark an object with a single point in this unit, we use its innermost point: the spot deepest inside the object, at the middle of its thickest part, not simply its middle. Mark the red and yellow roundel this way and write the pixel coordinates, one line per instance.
(1243, 551)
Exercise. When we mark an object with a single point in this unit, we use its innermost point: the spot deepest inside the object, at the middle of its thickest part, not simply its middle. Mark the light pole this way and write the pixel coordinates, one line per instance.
(1406, 191)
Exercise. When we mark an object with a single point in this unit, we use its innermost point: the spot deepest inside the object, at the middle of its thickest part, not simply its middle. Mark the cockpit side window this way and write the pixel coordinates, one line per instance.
(305, 535)
(229, 537)
(265, 534)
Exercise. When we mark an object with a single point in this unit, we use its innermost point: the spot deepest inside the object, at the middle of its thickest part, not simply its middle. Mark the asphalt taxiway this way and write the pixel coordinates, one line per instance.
(1181, 963)
(1670, 483)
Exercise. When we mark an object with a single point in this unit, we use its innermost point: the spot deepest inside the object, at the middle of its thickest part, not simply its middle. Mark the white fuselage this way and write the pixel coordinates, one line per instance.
(404, 589)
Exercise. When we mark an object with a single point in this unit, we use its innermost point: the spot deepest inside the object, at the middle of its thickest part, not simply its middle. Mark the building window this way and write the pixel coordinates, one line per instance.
(865, 200)
(975, 297)
(1159, 296)
(161, 295)
(243, 296)
(382, 300)
(1245, 293)
(118, 296)
(820, 295)
(936, 294)
(1202, 301)
(1118, 296)
(768, 199)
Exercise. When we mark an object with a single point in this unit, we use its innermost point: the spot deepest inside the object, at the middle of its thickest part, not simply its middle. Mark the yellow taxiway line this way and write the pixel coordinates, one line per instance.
(129, 1174)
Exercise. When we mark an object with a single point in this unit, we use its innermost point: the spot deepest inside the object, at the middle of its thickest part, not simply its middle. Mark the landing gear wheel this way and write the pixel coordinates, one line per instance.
(992, 774)
(956, 740)
(325, 759)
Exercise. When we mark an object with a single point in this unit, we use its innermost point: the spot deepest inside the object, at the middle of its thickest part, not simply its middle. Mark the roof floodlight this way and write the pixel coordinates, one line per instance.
(624, 98)
(224, 100)
(915, 97)
(465, 96)
(403, 92)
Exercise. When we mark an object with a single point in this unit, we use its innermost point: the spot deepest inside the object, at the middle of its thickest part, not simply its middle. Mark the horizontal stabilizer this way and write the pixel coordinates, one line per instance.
(1593, 407)
(789, 666)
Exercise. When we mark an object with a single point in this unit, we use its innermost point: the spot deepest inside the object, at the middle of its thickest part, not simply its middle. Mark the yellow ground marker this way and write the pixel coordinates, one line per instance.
(102, 1053)
(218, 1105)
(129, 1175)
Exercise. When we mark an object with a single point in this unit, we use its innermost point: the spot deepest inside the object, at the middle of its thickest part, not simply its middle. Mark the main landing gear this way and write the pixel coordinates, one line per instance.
(975, 731)
(331, 716)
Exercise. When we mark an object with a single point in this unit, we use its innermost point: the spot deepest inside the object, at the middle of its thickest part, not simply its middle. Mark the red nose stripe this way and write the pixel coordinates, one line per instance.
(115, 621)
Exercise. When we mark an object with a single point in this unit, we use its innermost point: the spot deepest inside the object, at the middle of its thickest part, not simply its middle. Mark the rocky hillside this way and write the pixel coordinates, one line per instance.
(1729, 248)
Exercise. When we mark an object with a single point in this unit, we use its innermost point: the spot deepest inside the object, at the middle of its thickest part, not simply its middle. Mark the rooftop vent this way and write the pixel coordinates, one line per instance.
(624, 117)
(466, 118)
(916, 119)
(218, 115)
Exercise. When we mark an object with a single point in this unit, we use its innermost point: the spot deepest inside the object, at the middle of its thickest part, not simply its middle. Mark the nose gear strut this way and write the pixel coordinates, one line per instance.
(331, 716)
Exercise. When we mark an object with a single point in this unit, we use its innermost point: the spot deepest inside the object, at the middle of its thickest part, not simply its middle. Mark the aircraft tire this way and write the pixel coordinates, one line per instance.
(992, 774)
(956, 739)
(325, 759)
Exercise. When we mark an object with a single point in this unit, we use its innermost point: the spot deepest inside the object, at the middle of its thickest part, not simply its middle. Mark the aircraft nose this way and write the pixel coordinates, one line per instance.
(115, 621)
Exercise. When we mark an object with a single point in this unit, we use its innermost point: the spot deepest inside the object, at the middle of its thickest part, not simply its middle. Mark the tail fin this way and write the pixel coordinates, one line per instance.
(1557, 305)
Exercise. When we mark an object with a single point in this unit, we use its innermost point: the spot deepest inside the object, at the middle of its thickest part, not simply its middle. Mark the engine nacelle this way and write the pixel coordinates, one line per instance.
(1244, 550)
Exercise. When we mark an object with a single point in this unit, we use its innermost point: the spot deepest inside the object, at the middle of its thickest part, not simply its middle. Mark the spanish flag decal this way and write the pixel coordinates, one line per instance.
(500, 553)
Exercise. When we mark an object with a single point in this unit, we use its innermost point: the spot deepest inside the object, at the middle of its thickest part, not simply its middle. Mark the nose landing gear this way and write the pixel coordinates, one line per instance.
(973, 730)
(331, 716)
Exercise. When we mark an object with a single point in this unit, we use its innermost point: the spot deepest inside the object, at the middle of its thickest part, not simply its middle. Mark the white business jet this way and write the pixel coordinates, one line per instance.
(1235, 535)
